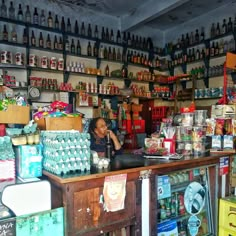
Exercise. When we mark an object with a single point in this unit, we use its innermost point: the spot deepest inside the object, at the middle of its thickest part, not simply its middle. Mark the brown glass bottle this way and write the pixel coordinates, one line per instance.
(89, 49)
(60, 44)
(68, 26)
(25, 36)
(41, 41)
(96, 32)
(56, 25)
(107, 71)
(89, 33)
(55, 43)
(48, 42)
(76, 28)
(72, 47)
(50, 20)
(107, 37)
(63, 26)
(95, 50)
(5, 33)
(118, 37)
(78, 48)
(33, 40)
(82, 31)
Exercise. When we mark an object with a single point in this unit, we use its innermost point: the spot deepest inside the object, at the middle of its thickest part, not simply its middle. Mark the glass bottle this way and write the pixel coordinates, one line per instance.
(101, 53)
(78, 48)
(218, 29)
(224, 27)
(55, 43)
(42, 18)
(67, 45)
(129, 42)
(230, 25)
(27, 14)
(89, 49)
(72, 46)
(89, 31)
(68, 26)
(33, 40)
(11, 11)
(63, 26)
(103, 36)
(25, 36)
(107, 72)
(41, 41)
(20, 14)
(95, 50)
(60, 44)
(35, 17)
(108, 152)
(50, 20)
(213, 30)
(202, 36)
(76, 28)
(118, 56)
(3, 9)
(105, 53)
(118, 37)
(13, 34)
(5, 33)
(107, 36)
(112, 36)
(96, 32)
(124, 38)
(48, 43)
(196, 36)
(82, 31)
(56, 25)
(114, 54)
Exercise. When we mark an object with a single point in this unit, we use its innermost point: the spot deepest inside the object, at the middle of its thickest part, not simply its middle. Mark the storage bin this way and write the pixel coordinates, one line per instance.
(15, 115)
(139, 126)
(60, 123)
(227, 215)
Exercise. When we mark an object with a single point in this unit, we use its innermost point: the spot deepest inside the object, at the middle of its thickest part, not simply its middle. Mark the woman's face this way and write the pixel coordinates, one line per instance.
(101, 128)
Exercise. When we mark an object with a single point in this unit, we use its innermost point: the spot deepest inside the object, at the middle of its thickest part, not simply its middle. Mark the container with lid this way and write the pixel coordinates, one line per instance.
(187, 119)
(200, 117)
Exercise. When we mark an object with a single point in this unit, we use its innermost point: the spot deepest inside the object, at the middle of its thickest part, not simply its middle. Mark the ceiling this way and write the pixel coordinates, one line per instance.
(158, 14)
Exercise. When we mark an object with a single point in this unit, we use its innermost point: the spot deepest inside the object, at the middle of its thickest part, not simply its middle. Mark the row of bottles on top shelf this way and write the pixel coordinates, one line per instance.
(52, 21)
(199, 35)
(216, 48)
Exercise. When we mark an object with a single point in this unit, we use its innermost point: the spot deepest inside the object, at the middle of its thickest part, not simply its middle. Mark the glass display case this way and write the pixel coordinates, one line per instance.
(184, 203)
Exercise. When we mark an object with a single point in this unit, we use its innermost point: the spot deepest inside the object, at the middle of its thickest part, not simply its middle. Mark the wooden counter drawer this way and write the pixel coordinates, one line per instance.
(89, 213)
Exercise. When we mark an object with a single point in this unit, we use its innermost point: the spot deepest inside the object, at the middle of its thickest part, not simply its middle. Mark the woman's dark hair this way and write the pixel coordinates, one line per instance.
(93, 124)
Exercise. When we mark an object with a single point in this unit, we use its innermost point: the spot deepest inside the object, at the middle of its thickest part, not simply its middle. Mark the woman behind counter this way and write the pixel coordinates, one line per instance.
(98, 131)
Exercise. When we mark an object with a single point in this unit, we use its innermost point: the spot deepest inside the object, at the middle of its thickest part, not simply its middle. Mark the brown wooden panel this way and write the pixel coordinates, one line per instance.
(89, 213)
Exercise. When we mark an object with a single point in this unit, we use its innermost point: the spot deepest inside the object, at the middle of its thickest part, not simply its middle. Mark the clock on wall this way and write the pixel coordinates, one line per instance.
(34, 92)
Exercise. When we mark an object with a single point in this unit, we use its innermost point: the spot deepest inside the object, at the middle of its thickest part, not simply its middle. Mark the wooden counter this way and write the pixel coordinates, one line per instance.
(80, 194)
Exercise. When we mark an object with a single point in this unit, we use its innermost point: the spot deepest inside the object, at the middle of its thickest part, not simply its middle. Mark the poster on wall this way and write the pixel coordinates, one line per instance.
(114, 192)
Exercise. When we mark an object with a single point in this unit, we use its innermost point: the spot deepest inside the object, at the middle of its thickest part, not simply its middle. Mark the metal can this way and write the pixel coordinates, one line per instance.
(44, 62)
(60, 64)
(53, 63)
(33, 59)
(19, 58)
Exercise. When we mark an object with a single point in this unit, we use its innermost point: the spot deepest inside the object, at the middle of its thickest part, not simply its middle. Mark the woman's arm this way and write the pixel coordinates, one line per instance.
(115, 140)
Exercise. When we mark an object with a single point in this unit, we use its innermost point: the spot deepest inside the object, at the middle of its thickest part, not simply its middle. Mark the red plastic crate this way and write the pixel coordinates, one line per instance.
(139, 126)
(159, 112)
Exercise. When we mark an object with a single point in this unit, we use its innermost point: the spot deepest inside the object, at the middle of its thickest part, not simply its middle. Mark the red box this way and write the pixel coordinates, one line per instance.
(139, 126)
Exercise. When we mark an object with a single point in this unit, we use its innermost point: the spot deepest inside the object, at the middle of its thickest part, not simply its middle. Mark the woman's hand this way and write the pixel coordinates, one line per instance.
(115, 140)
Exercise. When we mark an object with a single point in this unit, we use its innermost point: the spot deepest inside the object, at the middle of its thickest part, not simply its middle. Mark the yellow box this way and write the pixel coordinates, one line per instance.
(227, 214)
(15, 115)
(225, 232)
(60, 123)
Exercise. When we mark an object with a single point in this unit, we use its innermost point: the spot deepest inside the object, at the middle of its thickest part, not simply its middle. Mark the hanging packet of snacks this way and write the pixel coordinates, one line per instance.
(210, 127)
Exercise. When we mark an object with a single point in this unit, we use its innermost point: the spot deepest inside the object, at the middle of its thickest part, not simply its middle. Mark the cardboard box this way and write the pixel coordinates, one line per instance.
(60, 123)
(29, 161)
(15, 115)
(223, 111)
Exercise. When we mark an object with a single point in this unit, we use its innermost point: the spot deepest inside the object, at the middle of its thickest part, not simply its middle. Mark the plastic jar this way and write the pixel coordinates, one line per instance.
(200, 117)
(198, 133)
(187, 119)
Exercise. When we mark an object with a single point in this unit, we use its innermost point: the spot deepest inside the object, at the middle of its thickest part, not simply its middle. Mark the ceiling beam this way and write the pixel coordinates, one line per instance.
(147, 12)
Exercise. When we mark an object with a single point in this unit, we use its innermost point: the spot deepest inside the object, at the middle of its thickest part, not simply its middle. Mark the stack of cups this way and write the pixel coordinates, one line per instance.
(199, 132)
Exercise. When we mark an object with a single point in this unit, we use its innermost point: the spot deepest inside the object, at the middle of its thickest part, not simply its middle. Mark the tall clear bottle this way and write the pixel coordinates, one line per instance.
(3, 9)
(35, 17)
(42, 18)
(27, 14)
(11, 11)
